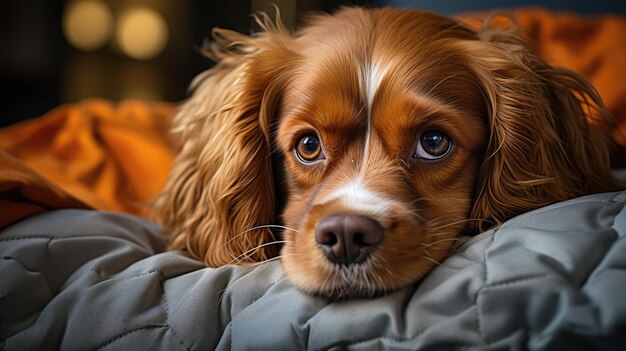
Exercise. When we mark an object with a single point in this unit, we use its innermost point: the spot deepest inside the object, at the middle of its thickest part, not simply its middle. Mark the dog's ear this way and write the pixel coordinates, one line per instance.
(221, 192)
(549, 130)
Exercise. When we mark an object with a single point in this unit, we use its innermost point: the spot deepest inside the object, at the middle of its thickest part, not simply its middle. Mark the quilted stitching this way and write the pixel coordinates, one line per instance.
(215, 293)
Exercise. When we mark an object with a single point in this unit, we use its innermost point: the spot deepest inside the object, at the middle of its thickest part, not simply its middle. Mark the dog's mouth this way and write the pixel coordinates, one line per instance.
(337, 280)
(348, 244)
(391, 265)
(357, 280)
(340, 252)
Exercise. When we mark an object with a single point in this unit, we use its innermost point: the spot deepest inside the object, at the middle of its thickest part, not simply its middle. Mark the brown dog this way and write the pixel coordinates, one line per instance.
(388, 133)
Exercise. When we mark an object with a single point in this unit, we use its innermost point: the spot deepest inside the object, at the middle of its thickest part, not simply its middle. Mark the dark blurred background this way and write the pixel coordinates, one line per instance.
(56, 51)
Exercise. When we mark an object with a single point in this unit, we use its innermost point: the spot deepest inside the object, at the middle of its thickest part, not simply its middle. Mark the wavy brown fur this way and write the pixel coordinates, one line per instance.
(549, 130)
(221, 184)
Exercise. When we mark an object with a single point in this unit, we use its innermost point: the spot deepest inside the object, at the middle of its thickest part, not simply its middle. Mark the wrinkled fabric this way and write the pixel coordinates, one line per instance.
(551, 279)
(112, 157)
(24, 192)
(594, 46)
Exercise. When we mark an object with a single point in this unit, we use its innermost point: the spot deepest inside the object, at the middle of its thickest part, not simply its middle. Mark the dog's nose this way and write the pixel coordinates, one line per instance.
(348, 239)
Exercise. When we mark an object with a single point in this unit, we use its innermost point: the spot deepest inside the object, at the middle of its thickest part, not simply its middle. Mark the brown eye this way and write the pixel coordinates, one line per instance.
(309, 149)
(433, 145)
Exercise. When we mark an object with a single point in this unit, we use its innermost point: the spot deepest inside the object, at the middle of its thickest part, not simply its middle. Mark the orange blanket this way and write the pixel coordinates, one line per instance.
(592, 46)
(116, 157)
(101, 155)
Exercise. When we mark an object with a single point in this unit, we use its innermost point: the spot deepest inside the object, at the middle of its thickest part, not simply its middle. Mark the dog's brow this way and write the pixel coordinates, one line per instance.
(370, 75)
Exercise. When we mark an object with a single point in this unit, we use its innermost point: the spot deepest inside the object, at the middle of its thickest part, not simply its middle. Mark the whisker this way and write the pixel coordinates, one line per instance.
(426, 251)
(439, 241)
(245, 254)
(432, 260)
(415, 201)
(455, 222)
(255, 228)
(265, 261)
(434, 220)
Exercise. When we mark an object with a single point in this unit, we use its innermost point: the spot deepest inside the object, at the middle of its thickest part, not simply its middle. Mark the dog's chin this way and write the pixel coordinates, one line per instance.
(354, 281)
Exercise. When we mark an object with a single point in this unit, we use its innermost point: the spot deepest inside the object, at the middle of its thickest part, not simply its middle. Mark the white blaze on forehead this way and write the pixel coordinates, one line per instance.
(370, 77)
(356, 197)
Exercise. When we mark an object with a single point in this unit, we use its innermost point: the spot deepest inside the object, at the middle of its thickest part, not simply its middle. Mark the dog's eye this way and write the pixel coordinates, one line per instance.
(309, 148)
(433, 145)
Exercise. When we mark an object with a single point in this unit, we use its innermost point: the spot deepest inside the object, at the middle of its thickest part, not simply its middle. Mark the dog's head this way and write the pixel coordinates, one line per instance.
(387, 132)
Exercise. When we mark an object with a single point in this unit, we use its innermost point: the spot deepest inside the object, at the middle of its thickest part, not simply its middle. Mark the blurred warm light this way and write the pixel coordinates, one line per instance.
(87, 24)
(141, 33)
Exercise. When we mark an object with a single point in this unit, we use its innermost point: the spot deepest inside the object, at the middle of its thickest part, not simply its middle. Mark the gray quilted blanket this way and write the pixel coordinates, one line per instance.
(551, 279)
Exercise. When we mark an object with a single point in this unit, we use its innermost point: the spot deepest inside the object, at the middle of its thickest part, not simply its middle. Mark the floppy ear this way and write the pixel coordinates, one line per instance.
(549, 130)
(221, 187)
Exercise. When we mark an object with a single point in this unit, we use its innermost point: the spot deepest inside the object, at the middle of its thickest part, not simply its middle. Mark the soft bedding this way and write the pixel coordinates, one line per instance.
(551, 279)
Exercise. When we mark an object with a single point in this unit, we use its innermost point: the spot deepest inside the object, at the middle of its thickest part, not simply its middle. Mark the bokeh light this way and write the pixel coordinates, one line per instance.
(88, 24)
(141, 33)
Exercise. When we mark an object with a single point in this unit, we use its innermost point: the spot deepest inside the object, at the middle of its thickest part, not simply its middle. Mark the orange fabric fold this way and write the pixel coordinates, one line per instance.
(24, 192)
(106, 156)
(595, 47)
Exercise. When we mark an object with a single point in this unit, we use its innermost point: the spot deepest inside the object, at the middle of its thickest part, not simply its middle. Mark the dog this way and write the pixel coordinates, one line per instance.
(359, 148)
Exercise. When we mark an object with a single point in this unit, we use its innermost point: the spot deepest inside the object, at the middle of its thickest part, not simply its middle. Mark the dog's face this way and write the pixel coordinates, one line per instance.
(394, 130)
(382, 147)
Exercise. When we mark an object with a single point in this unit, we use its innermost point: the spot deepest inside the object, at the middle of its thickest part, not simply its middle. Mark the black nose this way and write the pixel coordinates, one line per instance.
(348, 239)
